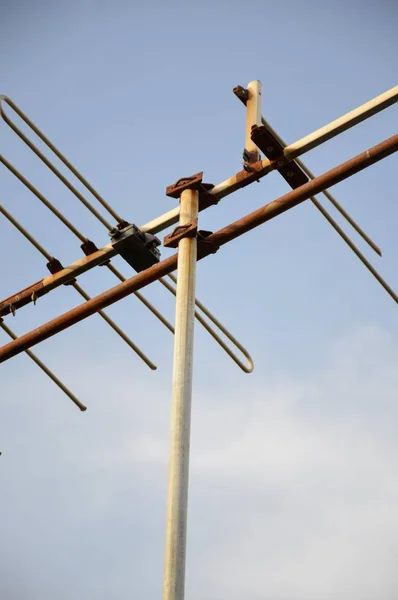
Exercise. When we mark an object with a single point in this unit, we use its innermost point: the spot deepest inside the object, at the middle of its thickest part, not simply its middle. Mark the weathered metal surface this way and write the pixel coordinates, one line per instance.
(232, 184)
(295, 197)
(241, 93)
(295, 173)
(22, 298)
(60, 277)
(189, 230)
(221, 237)
(273, 150)
(250, 158)
(55, 266)
(253, 118)
(177, 494)
(88, 247)
(331, 199)
(359, 114)
(206, 198)
(206, 245)
(192, 182)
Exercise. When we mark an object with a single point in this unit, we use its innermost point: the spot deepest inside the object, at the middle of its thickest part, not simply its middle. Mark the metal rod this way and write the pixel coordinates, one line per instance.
(24, 232)
(117, 330)
(57, 152)
(177, 495)
(41, 288)
(221, 190)
(46, 370)
(32, 295)
(52, 168)
(242, 178)
(298, 148)
(328, 195)
(328, 217)
(343, 123)
(154, 310)
(221, 237)
(88, 264)
(247, 368)
(242, 94)
(42, 198)
(253, 117)
(293, 198)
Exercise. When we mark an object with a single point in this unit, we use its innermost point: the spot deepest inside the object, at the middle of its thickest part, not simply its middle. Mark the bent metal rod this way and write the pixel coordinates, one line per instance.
(200, 308)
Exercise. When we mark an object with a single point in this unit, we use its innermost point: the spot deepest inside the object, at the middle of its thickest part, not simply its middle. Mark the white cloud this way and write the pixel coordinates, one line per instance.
(293, 492)
(305, 483)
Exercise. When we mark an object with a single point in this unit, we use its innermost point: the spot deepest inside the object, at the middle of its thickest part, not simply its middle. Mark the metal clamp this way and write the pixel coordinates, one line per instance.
(273, 150)
(139, 249)
(89, 248)
(189, 230)
(54, 266)
(249, 158)
(193, 182)
(241, 93)
(206, 246)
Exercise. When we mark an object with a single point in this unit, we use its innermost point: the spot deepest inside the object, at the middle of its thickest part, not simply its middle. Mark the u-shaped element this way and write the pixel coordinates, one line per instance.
(248, 367)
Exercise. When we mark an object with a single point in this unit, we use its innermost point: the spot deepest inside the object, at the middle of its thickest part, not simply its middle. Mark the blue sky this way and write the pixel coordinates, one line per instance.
(294, 485)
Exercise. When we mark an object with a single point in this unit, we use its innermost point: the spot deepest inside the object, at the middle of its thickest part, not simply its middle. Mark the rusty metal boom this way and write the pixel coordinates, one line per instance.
(208, 246)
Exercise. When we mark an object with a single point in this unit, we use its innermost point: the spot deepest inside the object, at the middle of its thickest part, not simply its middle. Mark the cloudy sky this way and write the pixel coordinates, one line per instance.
(294, 469)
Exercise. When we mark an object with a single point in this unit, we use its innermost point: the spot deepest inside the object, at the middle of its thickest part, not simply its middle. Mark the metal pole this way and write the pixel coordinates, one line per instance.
(253, 117)
(177, 495)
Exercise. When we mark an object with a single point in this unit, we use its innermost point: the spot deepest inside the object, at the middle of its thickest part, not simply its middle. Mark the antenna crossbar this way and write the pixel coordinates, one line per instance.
(221, 237)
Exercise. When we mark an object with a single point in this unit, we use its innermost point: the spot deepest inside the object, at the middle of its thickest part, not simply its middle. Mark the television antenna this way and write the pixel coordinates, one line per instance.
(139, 246)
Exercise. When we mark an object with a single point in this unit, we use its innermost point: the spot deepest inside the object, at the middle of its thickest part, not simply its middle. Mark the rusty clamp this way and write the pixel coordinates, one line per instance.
(190, 230)
(54, 266)
(273, 150)
(194, 182)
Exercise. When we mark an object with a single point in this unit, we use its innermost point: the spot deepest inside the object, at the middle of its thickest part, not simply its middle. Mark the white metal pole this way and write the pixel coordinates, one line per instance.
(253, 117)
(177, 496)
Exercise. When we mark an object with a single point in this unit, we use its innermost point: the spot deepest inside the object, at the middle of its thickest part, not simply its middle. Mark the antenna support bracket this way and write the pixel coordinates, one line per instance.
(194, 182)
(190, 230)
(273, 150)
(139, 249)
(54, 266)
